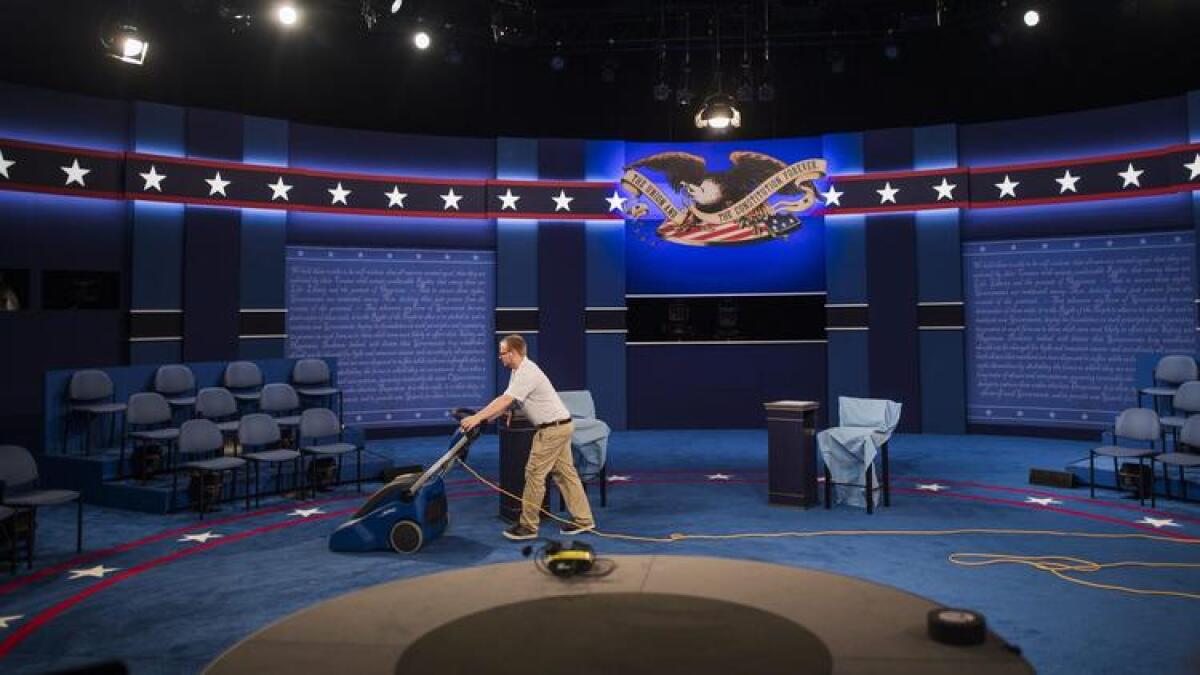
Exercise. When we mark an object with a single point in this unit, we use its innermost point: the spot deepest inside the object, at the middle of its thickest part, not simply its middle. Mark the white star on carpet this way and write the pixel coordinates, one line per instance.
(1042, 501)
(395, 197)
(508, 200)
(618, 479)
(450, 200)
(832, 197)
(1158, 523)
(216, 185)
(97, 572)
(617, 203)
(339, 194)
(1132, 176)
(932, 487)
(1008, 187)
(1193, 167)
(719, 476)
(153, 179)
(5, 620)
(945, 190)
(75, 173)
(202, 537)
(562, 202)
(1067, 182)
(888, 193)
(5, 163)
(305, 513)
(279, 189)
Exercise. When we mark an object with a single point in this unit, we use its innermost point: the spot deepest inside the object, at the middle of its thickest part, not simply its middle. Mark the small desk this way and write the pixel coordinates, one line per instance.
(792, 453)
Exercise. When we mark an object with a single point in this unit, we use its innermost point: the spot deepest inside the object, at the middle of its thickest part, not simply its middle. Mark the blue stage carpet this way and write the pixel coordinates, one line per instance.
(163, 605)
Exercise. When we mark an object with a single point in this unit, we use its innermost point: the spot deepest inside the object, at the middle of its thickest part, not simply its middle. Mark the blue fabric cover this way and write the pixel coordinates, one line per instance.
(847, 450)
(589, 443)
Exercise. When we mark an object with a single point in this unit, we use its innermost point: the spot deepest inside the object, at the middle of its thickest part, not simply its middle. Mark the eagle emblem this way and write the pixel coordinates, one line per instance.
(723, 207)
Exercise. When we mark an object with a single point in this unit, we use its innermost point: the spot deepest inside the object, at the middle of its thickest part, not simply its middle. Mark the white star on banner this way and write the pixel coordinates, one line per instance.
(1193, 167)
(216, 185)
(5, 163)
(1132, 176)
(395, 197)
(306, 513)
(1042, 501)
(832, 196)
(202, 537)
(945, 190)
(719, 476)
(618, 479)
(932, 487)
(887, 194)
(1008, 187)
(75, 173)
(153, 179)
(508, 200)
(562, 202)
(450, 200)
(616, 202)
(339, 194)
(279, 189)
(5, 620)
(97, 572)
(1067, 182)
(1158, 523)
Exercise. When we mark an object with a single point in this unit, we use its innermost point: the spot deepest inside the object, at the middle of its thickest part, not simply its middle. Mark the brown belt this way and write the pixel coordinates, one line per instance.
(554, 423)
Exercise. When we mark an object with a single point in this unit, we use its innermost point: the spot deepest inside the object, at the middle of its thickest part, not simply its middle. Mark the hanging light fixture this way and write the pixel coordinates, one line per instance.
(719, 111)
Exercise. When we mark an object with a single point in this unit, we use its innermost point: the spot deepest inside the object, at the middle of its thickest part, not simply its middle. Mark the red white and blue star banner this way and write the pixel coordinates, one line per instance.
(37, 167)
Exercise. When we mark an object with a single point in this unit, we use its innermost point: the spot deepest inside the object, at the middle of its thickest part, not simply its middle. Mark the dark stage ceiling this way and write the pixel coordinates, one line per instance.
(589, 69)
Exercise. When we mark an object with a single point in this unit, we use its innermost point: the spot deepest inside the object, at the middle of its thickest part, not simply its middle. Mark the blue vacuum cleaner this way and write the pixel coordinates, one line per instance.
(408, 512)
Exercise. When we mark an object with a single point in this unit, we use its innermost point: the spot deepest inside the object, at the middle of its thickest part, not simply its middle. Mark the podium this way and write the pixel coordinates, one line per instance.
(516, 440)
(792, 453)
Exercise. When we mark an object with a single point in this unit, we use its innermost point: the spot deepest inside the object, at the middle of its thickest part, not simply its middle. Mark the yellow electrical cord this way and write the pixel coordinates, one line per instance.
(1059, 566)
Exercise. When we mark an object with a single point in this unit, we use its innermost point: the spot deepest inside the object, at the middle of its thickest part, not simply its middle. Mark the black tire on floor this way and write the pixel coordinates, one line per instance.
(406, 537)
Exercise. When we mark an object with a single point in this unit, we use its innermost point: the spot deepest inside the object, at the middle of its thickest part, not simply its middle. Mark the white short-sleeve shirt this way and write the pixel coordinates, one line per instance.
(530, 386)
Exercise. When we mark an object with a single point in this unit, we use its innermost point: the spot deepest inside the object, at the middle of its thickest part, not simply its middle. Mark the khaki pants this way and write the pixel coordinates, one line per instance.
(551, 454)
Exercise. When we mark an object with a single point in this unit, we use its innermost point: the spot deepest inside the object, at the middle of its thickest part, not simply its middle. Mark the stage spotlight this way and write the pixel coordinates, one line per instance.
(662, 91)
(557, 63)
(766, 92)
(396, 5)
(683, 96)
(287, 15)
(239, 14)
(718, 113)
(125, 43)
(1032, 18)
(421, 40)
(891, 52)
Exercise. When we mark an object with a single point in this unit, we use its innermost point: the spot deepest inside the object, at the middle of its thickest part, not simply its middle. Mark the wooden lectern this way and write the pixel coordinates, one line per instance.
(792, 452)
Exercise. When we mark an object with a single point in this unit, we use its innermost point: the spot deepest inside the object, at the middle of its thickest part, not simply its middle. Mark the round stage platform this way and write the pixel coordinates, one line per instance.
(653, 614)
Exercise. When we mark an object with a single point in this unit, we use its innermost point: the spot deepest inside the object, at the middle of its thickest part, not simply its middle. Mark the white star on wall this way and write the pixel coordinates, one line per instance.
(616, 202)
(75, 173)
(96, 572)
(202, 537)
(1067, 182)
(1008, 187)
(562, 202)
(395, 197)
(450, 200)
(153, 179)
(1131, 176)
(508, 200)
(945, 190)
(6, 163)
(216, 185)
(1193, 167)
(888, 193)
(339, 194)
(832, 197)
(279, 190)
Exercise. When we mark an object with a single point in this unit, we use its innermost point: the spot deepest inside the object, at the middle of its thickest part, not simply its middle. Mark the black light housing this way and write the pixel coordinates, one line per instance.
(124, 42)
(719, 112)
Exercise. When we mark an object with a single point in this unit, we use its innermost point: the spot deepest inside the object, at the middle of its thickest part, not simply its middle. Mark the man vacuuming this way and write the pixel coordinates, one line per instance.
(551, 451)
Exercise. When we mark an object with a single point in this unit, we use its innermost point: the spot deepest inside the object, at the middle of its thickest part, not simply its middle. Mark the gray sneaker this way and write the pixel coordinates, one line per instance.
(519, 532)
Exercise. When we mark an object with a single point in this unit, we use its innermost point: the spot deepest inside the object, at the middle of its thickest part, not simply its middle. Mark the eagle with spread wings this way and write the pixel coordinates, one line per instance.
(712, 192)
